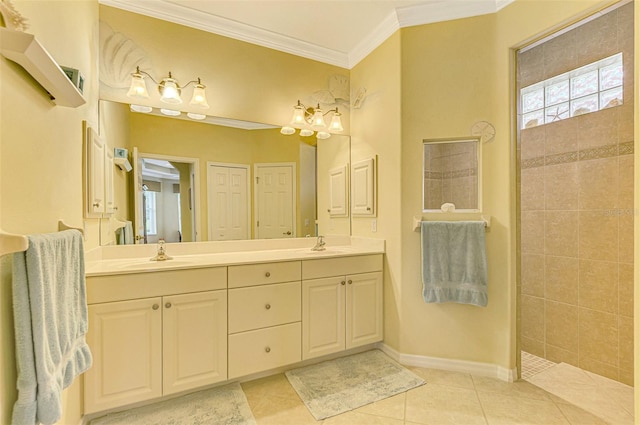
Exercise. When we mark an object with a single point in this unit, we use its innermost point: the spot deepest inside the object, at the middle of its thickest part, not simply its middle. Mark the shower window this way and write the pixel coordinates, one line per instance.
(586, 89)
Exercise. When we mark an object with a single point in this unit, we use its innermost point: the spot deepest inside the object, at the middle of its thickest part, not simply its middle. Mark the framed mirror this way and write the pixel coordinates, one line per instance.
(224, 197)
(451, 175)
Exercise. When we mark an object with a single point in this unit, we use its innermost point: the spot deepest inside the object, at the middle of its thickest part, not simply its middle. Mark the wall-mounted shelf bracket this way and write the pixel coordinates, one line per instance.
(26, 51)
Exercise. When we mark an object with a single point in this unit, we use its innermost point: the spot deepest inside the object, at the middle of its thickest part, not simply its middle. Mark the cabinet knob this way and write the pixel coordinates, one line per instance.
(168, 305)
(268, 306)
(349, 281)
(96, 204)
(267, 350)
(329, 210)
(342, 283)
(155, 306)
(368, 208)
(267, 274)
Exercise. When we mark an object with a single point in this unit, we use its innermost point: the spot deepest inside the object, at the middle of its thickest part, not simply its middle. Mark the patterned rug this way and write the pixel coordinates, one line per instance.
(220, 405)
(337, 386)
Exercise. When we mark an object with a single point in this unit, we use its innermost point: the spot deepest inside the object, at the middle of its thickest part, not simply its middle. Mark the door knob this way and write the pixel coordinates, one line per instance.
(287, 233)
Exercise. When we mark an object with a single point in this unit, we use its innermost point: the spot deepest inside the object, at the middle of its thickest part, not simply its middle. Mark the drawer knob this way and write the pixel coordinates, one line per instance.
(342, 283)
(168, 305)
(267, 350)
(267, 274)
(268, 306)
(349, 281)
(155, 306)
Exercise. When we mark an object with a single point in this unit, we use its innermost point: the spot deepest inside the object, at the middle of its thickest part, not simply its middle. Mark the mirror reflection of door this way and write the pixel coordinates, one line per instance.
(275, 200)
(163, 201)
(228, 201)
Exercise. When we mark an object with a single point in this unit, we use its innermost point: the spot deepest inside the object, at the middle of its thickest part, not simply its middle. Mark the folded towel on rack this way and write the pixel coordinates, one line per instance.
(124, 234)
(50, 319)
(454, 262)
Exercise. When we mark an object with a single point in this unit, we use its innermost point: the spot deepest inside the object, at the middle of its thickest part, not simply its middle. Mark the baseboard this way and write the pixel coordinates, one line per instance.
(463, 366)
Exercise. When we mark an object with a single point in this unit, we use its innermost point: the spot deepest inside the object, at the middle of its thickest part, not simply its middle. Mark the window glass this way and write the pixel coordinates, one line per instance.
(150, 212)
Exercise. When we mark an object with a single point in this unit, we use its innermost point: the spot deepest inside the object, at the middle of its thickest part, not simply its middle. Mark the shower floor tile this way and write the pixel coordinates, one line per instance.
(532, 365)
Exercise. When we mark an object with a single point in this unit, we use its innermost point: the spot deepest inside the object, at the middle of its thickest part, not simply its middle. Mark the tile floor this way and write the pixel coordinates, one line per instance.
(447, 398)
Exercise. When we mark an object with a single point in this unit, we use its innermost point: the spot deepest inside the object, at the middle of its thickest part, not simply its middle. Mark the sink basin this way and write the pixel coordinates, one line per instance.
(328, 251)
(147, 264)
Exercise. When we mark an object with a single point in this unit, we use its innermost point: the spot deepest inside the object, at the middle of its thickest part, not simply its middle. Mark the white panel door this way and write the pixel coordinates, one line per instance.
(228, 202)
(275, 201)
(194, 340)
(124, 336)
(364, 309)
(95, 180)
(323, 316)
(138, 207)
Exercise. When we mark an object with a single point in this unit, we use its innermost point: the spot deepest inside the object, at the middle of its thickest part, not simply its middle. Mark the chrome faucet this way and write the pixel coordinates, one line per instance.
(161, 255)
(319, 244)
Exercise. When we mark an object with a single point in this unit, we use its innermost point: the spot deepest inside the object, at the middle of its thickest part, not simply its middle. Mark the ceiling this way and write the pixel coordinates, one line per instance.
(338, 32)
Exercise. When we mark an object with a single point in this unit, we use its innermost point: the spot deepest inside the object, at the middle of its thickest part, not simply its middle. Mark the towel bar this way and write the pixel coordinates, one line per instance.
(11, 243)
(63, 226)
(417, 221)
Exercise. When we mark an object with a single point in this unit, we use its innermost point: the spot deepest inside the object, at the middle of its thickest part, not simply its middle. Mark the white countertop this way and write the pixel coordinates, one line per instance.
(136, 258)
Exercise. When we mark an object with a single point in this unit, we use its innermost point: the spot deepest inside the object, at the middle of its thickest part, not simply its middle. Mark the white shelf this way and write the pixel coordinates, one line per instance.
(25, 50)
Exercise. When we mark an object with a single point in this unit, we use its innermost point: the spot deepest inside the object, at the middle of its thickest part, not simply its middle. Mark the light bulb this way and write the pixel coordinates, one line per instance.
(170, 91)
(138, 88)
(298, 115)
(317, 121)
(336, 122)
(199, 97)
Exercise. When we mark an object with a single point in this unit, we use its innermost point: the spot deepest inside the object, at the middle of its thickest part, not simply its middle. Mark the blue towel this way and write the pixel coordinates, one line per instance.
(454, 262)
(50, 318)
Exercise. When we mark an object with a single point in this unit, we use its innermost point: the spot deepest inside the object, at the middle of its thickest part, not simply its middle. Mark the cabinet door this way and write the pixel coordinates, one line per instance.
(95, 173)
(323, 313)
(364, 309)
(109, 194)
(126, 341)
(338, 192)
(363, 187)
(194, 340)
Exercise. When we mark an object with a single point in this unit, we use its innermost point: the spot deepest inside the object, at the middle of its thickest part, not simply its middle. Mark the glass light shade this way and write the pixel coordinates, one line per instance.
(199, 97)
(323, 135)
(195, 116)
(336, 122)
(317, 121)
(305, 132)
(141, 108)
(170, 91)
(298, 115)
(287, 131)
(138, 88)
(170, 112)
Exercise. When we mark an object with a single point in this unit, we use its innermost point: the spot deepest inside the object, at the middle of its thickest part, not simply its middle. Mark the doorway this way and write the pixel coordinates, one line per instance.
(228, 201)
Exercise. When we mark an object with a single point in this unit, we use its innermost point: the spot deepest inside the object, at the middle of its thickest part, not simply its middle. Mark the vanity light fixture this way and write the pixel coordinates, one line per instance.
(311, 120)
(169, 88)
(170, 112)
(141, 108)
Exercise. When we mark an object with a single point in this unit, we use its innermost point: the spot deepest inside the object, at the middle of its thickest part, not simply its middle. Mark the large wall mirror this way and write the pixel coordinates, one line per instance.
(219, 180)
(451, 175)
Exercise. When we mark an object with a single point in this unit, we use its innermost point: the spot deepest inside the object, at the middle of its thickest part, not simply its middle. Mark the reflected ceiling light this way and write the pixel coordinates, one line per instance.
(169, 88)
(141, 108)
(310, 120)
(170, 112)
(195, 116)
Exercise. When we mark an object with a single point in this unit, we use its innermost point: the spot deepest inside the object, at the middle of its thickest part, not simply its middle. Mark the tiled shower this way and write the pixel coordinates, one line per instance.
(576, 210)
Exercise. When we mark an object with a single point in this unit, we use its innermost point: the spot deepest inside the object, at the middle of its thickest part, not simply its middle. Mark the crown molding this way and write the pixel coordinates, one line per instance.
(182, 15)
(374, 39)
(436, 11)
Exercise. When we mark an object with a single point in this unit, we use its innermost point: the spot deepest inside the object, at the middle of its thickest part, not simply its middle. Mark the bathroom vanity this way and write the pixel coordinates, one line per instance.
(211, 314)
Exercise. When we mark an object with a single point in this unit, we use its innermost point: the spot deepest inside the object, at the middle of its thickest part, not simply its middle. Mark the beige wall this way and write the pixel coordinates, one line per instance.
(576, 212)
(41, 156)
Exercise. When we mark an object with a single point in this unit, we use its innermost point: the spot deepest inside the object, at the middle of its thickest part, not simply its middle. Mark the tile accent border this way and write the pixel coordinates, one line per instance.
(606, 151)
(462, 366)
(441, 175)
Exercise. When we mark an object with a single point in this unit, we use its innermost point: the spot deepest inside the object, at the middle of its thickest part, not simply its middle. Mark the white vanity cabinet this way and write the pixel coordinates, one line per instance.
(173, 339)
(264, 316)
(341, 304)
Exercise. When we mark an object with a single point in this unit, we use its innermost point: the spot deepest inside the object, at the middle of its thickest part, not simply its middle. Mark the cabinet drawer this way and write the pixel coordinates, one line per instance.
(263, 274)
(264, 349)
(102, 289)
(327, 267)
(263, 306)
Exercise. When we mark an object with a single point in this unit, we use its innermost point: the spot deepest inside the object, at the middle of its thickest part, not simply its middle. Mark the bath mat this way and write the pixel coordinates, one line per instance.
(220, 405)
(337, 386)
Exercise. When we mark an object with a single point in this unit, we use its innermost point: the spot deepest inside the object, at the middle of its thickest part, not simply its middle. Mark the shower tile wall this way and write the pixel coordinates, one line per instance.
(576, 191)
(450, 175)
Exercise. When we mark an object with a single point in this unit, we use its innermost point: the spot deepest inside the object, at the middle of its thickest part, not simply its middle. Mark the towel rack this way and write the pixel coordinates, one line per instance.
(10, 243)
(118, 224)
(63, 226)
(417, 221)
